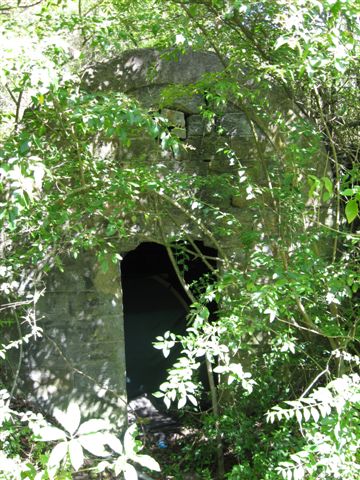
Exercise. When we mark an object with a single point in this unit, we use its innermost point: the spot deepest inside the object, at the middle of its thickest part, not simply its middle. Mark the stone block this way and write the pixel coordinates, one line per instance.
(175, 117)
(236, 125)
(188, 104)
(197, 126)
(179, 132)
(149, 97)
(239, 201)
(155, 96)
(143, 67)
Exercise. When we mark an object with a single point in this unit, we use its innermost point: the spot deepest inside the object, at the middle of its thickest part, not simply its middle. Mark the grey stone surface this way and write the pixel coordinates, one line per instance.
(188, 104)
(153, 96)
(175, 117)
(81, 354)
(197, 126)
(176, 121)
(236, 125)
(144, 67)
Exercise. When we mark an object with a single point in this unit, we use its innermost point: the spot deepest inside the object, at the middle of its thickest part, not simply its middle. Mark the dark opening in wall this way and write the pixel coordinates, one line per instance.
(154, 301)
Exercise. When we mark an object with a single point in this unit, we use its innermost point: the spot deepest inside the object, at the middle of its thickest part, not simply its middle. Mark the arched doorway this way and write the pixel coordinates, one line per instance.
(154, 302)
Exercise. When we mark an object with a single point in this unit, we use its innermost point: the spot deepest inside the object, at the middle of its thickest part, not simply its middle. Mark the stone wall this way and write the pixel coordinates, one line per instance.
(81, 355)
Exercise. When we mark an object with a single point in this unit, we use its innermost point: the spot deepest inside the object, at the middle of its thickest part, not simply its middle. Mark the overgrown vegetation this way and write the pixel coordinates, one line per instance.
(285, 340)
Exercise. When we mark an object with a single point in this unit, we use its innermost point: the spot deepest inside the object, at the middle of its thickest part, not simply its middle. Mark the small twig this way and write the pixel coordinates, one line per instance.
(197, 221)
(203, 257)
(317, 332)
(11, 94)
(315, 380)
(21, 355)
(18, 105)
(5, 306)
(337, 169)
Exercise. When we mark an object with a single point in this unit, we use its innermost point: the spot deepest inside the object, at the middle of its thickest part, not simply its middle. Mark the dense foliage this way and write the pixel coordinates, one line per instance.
(285, 338)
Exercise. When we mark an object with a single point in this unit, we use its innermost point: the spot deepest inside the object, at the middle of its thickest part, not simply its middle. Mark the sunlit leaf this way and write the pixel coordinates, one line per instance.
(351, 210)
(192, 400)
(315, 414)
(69, 420)
(94, 443)
(57, 454)
(147, 462)
(92, 426)
(114, 443)
(129, 440)
(130, 472)
(306, 414)
(49, 434)
(181, 402)
(76, 454)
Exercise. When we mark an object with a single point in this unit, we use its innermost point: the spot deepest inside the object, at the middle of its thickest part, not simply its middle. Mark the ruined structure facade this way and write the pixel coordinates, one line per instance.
(82, 353)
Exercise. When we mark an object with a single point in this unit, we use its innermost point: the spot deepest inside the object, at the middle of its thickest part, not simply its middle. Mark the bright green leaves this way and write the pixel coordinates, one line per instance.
(22, 184)
(352, 205)
(352, 210)
(321, 188)
(319, 39)
(328, 185)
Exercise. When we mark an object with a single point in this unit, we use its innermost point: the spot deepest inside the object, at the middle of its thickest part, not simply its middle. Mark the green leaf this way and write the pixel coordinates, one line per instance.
(326, 196)
(348, 192)
(24, 147)
(158, 394)
(351, 210)
(328, 184)
(193, 10)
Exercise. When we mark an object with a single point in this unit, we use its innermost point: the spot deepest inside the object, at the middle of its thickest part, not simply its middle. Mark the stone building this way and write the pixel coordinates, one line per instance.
(82, 353)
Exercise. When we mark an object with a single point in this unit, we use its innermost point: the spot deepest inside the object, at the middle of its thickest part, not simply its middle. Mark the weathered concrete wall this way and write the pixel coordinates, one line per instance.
(80, 356)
